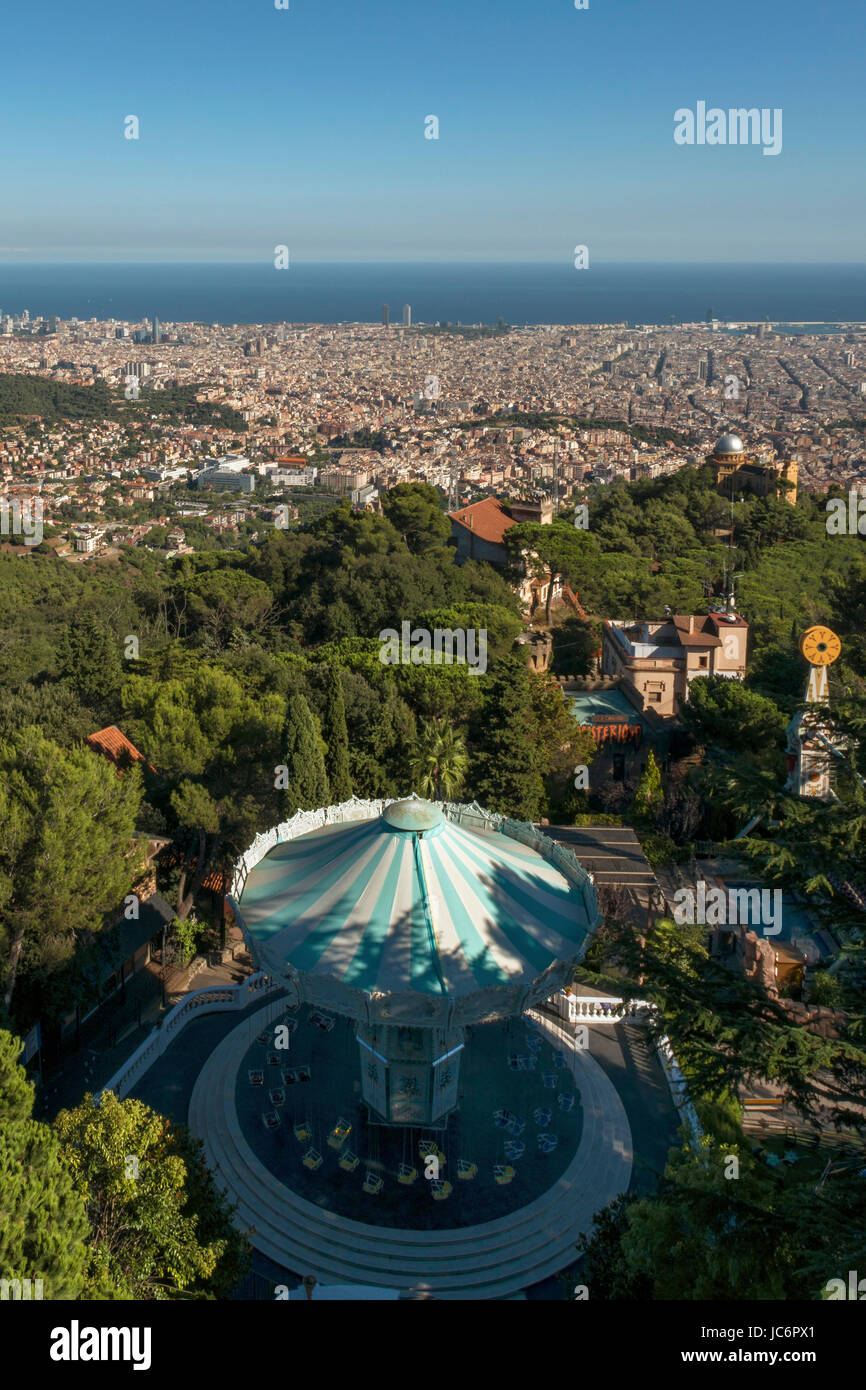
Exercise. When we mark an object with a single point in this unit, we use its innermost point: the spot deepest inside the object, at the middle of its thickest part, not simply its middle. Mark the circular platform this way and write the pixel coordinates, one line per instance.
(488, 1259)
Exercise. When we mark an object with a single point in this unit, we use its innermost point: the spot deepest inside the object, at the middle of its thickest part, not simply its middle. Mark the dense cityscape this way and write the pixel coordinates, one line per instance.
(432, 681)
(298, 404)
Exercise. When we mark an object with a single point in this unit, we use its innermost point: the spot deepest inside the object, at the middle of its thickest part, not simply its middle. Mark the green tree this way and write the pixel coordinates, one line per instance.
(304, 759)
(506, 774)
(90, 661)
(439, 760)
(649, 797)
(415, 509)
(160, 1225)
(336, 737)
(66, 851)
(551, 550)
(727, 712)
(44, 1232)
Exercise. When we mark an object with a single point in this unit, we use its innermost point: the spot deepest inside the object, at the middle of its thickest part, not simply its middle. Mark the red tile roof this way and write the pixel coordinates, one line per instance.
(486, 519)
(115, 746)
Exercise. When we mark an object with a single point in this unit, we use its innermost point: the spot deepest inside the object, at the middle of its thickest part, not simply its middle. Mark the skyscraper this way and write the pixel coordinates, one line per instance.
(407, 315)
(386, 315)
(156, 330)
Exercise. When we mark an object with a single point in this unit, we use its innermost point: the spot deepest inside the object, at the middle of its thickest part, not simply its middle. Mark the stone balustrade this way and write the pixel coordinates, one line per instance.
(224, 999)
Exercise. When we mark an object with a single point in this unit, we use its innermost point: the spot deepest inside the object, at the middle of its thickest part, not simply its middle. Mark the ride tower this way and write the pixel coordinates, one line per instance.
(810, 745)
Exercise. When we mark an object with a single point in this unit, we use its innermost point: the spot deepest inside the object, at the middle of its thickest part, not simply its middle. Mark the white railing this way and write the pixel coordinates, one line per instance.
(679, 1089)
(226, 998)
(594, 1006)
(460, 813)
(611, 1009)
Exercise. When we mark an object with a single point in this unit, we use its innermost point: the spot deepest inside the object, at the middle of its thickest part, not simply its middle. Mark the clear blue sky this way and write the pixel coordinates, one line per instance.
(306, 127)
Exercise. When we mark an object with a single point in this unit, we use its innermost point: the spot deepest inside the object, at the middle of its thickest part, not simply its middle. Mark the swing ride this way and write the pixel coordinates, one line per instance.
(419, 936)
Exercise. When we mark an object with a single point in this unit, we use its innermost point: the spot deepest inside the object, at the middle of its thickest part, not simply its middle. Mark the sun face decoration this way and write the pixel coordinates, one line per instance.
(820, 646)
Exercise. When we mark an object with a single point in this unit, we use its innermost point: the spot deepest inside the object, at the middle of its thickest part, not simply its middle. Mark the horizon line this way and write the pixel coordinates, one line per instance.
(564, 262)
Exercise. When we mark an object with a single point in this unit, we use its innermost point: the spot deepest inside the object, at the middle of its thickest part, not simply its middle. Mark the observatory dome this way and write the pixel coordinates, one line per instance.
(730, 444)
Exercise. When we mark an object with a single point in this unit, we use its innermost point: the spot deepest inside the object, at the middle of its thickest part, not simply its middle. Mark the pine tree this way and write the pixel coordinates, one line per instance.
(307, 781)
(68, 822)
(336, 738)
(44, 1232)
(507, 774)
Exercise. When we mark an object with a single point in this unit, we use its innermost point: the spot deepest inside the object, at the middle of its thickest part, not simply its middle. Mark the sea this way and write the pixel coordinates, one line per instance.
(824, 296)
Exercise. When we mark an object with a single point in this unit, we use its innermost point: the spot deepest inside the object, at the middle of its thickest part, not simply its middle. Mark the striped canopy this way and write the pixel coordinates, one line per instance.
(409, 901)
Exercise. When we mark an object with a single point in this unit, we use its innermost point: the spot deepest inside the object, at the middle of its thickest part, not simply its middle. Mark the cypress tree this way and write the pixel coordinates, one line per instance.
(336, 737)
(507, 776)
(307, 780)
(649, 797)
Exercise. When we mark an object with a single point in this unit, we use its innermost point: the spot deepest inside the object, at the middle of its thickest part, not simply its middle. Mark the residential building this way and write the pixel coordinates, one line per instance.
(655, 662)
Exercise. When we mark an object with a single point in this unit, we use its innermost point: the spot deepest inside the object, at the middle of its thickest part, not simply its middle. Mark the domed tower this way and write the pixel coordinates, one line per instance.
(737, 471)
(415, 922)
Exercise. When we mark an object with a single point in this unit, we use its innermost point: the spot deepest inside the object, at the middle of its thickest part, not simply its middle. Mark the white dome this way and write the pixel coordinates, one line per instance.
(730, 444)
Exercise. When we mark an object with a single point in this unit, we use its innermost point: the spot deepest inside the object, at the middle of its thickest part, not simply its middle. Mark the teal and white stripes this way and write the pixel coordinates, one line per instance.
(443, 913)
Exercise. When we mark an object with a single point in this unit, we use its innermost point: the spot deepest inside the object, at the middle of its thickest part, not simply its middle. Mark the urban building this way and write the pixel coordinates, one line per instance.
(655, 662)
(736, 471)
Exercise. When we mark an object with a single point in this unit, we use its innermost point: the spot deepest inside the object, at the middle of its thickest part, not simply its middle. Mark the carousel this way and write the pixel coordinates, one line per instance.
(404, 1076)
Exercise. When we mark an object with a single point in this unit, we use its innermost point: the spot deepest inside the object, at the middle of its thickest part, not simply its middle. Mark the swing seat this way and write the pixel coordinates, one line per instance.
(349, 1161)
(514, 1149)
(406, 1174)
(302, 1133)
(503, 1173)
(466, 1170)
(270, 1119)
(441, 1189)
(427, 1146)
(277, 1097)
(312, 1160)
(372, 1184)
(339, 1134)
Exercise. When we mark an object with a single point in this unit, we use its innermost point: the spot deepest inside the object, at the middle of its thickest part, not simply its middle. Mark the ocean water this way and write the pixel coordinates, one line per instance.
(468, 293)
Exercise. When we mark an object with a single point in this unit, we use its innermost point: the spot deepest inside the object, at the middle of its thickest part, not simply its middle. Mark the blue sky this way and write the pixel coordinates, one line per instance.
(305, 127)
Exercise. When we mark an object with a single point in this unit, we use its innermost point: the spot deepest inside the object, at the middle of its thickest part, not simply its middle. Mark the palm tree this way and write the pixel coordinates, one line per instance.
(439, 760)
